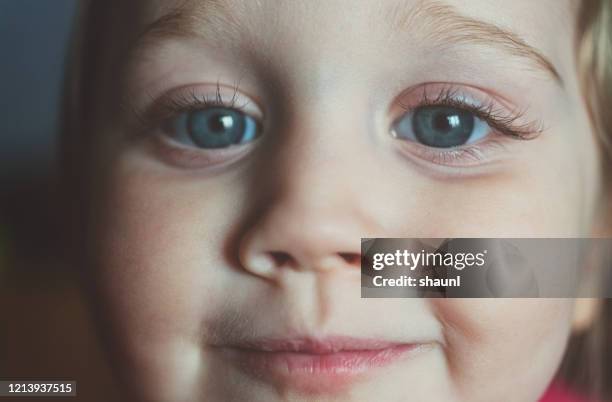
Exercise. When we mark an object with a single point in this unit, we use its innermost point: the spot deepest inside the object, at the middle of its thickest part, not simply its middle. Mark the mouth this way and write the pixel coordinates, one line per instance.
(313, 365)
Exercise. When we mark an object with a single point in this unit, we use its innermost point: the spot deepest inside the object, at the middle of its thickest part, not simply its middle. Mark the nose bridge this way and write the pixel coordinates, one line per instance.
(315, 174)
(314, 216)
(323, 151)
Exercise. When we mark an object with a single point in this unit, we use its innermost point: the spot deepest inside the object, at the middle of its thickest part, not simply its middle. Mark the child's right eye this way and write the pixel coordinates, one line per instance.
(212, 127)
(199, 126)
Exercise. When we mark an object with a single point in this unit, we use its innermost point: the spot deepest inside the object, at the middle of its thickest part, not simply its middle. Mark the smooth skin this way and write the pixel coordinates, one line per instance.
(198, 246)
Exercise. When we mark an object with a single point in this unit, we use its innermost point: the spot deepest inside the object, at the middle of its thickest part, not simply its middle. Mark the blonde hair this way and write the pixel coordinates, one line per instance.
(594, 42)
(588, 362)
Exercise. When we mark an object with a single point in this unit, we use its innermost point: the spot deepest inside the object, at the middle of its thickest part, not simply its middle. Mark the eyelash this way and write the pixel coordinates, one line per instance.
(183, 102)
(503, 121)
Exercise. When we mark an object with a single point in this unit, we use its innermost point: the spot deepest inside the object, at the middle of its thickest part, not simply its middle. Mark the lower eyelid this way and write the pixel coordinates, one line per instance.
(468, 156)
(182, 156)
(440, 170)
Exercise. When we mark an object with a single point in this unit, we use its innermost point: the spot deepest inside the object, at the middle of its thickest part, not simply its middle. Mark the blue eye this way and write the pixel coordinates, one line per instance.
(441, 127)
(213, 127)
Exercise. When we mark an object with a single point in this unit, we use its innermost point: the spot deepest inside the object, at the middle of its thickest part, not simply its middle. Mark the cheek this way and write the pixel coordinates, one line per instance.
(158, 244)
(485, 336)
(548, 190)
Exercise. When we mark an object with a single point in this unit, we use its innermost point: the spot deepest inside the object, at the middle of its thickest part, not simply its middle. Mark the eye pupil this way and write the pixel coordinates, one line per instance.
(442, 127)
(446, 122)
(220, 122)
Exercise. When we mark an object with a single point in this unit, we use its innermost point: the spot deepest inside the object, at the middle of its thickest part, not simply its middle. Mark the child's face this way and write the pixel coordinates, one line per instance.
(277, 134)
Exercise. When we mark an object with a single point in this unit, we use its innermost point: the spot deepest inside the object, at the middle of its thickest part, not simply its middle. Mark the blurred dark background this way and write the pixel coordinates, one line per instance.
(33, 39)
(46, 330)
(33, 42)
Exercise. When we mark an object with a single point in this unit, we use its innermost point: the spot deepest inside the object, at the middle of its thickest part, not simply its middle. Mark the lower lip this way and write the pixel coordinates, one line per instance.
(316, 373)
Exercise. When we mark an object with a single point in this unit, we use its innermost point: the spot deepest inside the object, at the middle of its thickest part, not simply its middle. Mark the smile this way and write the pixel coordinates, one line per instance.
(316, 366)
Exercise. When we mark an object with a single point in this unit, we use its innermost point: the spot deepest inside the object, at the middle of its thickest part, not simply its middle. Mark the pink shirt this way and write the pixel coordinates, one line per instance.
(558, 392)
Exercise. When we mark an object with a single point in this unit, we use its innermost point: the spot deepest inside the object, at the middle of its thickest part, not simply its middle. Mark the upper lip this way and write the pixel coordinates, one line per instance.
(316, 346)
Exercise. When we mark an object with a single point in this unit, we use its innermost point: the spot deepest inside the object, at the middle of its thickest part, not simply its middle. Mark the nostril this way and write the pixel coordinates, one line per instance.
(351, 258)
(281, 258)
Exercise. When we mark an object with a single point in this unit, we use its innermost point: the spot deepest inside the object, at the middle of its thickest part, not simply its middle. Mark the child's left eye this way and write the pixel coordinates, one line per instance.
(212, 127)
(441, 127)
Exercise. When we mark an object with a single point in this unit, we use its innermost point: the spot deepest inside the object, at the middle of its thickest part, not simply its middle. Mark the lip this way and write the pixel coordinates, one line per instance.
(316, 366)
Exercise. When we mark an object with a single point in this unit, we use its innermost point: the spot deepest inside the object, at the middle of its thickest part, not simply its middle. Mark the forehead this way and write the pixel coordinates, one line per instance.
(529, 18)
(539, 31)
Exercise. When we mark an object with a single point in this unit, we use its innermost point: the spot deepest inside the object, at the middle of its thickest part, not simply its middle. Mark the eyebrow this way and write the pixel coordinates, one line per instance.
(440, 23)
(212, 19)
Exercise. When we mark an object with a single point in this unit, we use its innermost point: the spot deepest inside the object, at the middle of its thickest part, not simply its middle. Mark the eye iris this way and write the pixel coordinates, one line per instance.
(216, 127)
(442, 127)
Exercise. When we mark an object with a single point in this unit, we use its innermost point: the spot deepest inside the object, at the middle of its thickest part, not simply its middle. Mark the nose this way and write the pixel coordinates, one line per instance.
(306, 238)
(316, 213)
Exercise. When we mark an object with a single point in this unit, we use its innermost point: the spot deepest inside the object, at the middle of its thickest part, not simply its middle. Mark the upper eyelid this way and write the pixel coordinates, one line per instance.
(188, 97)
(191, 100)
(196, 95)
(448, 89)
